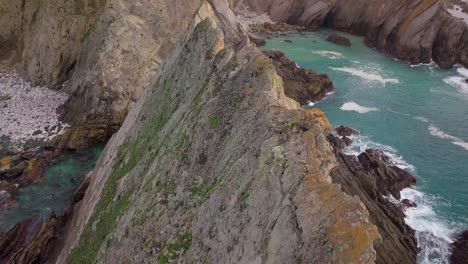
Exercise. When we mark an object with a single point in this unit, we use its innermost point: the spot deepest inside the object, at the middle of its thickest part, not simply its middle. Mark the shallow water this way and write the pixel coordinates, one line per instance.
(55, 191)
(417, 114)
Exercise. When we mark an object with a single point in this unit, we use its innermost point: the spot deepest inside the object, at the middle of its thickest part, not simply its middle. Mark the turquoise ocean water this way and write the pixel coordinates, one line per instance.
(55, 191)
(417, 114)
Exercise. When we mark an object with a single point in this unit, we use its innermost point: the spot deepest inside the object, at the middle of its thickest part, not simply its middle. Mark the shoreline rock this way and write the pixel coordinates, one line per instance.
(371, 177)
(338, 40)
(272, 28)
(300, 84)
(460, 249)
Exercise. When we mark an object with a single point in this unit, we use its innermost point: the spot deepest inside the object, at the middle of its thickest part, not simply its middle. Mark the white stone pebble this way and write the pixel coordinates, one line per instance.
(25, 110)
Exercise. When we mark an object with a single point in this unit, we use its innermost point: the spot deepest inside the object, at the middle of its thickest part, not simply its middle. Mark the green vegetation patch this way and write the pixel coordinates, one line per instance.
(213, 121)
(170, 252)
(108, 209)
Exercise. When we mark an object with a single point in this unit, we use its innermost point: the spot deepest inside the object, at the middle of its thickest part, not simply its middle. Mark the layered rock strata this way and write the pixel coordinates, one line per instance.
(303, 85)
(371, 177)
(416, 31)
(217, 165)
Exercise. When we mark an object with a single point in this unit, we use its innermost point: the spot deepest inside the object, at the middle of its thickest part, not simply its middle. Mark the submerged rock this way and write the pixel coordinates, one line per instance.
(339, 40)
(300, 84)
(345, 131)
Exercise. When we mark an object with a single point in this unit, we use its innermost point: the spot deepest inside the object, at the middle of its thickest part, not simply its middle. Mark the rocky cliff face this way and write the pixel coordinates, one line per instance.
(416, 31)
(109, 50)
(215, 164)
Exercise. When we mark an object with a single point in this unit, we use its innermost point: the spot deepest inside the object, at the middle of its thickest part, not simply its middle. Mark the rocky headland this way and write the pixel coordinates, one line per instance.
(212, 158)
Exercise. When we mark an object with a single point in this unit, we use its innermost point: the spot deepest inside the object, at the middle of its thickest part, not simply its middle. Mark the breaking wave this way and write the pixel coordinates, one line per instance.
(352, 106)
(373, 77)
(329, 54)
(437, 132)
(434, 234)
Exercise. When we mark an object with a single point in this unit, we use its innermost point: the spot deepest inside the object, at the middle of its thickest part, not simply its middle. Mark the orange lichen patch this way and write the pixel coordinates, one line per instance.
(5, 163)
(219, 45)
(318, 117)
(418, 10)
(349, 232)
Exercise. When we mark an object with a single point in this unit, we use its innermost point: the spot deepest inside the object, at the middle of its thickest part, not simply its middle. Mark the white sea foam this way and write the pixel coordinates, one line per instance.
(422, 119)
(434, 234)
(372, 77)
(361, 143)
(352, 106)
(329, 54)
(437, 132)
(459, 81)
(430, 64)
(463, 71)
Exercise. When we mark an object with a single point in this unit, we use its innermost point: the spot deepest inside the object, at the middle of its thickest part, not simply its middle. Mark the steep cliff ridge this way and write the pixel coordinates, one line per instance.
(215, 164)
(416, 31)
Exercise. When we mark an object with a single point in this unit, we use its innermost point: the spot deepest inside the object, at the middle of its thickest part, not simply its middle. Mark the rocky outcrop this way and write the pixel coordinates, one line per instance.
(416, 31)
(339, 40)
(303, 85)
(460, 249)
(370, 177)
(38, 240)
(268, 28)
(216, 164)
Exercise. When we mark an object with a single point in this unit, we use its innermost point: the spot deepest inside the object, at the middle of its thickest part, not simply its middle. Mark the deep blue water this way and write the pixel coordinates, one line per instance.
(418, 114)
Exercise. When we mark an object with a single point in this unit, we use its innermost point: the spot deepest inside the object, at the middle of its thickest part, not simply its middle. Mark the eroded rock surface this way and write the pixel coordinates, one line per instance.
(416, 31)
(303, 85)
(371, 177)
(216, 164)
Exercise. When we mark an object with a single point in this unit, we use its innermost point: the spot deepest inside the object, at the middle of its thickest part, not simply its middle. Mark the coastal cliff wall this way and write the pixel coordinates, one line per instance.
(215, 164)
(108, 51)
(416, 31)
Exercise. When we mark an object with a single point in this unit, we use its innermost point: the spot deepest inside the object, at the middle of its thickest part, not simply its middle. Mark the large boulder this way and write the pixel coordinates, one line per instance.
(339, 40)
(300, 84)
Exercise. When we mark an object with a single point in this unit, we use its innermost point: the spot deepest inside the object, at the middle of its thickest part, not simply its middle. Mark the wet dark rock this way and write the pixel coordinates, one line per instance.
(408, 204)
(259, 42)
(369, 178)
(466, 80)
(13, 172)
(288, 41)
(302, 85)
(345, 131)
(389, 178)
(339, 40)
(460, 249)
(38, 240)
(372, 176)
